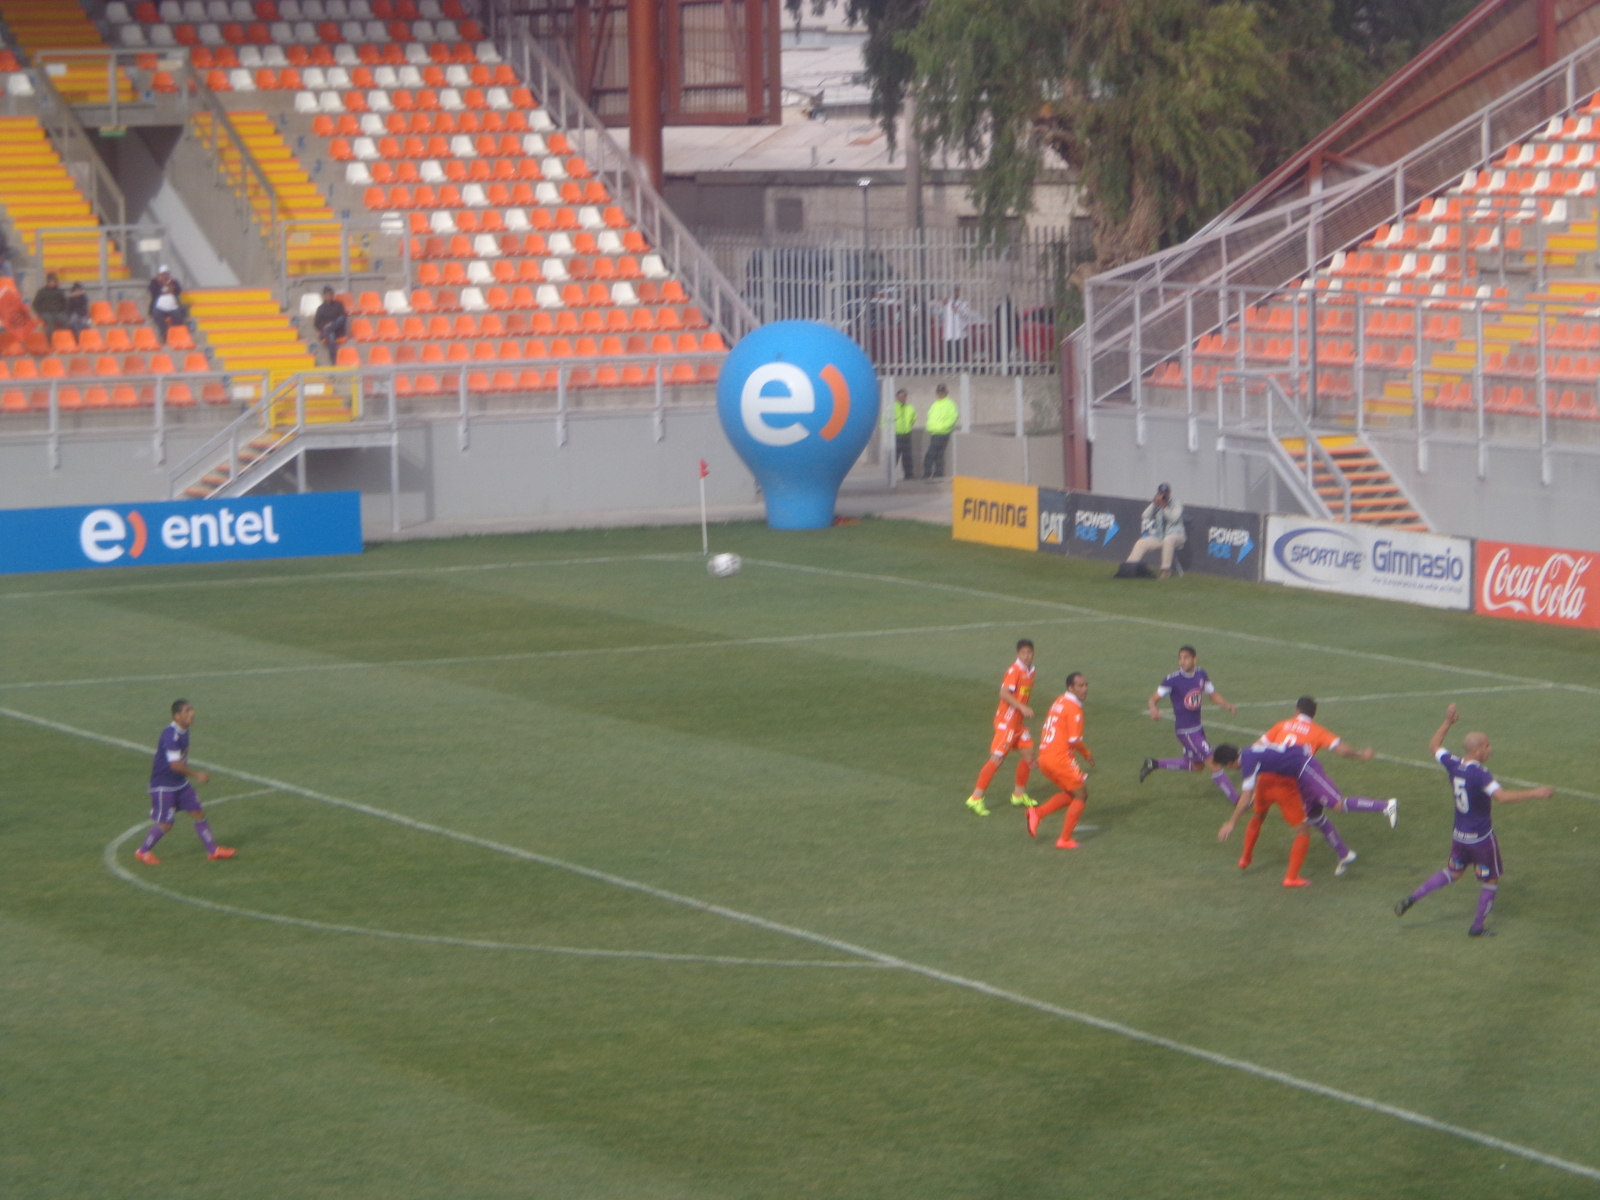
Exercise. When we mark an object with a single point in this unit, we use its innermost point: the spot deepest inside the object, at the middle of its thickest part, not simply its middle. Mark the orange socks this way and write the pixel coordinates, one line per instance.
(1297, 856)
(1074, 811)
(1055, 804)
(984, 776)
(1023, 771)
(1251, 832)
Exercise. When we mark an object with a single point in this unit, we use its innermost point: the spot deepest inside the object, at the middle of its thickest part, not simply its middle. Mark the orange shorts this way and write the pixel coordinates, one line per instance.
(1285, 793)
(1010, 737)
(1066, 775)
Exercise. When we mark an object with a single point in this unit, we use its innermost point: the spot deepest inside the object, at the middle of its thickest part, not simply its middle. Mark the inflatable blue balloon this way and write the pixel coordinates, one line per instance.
(799, 402)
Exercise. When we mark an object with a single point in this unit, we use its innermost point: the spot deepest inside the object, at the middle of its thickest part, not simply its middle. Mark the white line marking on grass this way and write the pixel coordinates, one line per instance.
(1477, 691)
(535, 655)
(338, 576)
(1370, 655)
(1138, 1035)
(121, 872)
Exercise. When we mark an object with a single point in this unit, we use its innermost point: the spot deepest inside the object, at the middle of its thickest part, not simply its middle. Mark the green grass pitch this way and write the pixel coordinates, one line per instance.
(566, 870)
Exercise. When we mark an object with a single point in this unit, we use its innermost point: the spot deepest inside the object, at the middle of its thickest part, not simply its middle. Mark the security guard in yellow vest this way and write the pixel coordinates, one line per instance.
(905, 420)
(942, 418)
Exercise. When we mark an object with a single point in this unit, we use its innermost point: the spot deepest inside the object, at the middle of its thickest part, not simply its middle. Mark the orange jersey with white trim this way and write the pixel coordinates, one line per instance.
(1018, 682)
(1299, 730)
(1063, 731)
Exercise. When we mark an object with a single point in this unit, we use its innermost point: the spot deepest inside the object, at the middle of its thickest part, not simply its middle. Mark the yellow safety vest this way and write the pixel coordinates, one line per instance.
(905, 418)
(943, 416)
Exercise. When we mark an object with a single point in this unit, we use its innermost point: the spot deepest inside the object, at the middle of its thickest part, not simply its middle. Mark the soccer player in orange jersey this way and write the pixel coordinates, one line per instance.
(1316, 788)
(1263, 789)
(1010, 732)
(1059, 743)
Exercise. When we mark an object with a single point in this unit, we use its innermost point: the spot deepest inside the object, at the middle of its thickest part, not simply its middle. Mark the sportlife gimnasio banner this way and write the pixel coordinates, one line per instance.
(166, 533)
(1361, 560)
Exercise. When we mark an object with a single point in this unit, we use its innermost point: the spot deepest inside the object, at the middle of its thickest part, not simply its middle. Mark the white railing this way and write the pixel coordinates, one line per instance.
(1276, 247)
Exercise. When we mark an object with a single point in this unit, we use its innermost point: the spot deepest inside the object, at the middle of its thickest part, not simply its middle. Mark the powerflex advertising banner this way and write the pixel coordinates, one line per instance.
(179, 531)
(1536, 583)
(1221, 541)
(1389, 564)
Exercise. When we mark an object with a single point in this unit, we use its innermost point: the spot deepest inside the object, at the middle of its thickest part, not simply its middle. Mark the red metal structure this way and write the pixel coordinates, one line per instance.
(718, 60)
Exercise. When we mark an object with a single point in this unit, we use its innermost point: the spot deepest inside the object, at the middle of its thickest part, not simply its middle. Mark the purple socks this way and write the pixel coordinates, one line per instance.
(150, 839)
(1485, 903)
(1172, 764)
(1362, 804)
(1326, 828)
(202, 830)
(1432, 884)
(1226, 784)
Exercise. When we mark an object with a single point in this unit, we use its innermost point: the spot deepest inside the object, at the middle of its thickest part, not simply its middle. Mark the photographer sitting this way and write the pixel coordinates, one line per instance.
(1160, 528)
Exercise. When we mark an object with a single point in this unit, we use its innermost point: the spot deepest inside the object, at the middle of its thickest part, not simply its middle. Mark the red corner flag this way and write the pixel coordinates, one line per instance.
(704, 470)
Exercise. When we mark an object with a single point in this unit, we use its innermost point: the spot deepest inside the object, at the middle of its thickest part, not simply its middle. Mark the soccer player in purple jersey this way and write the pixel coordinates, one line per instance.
(1188, 687)
(1472, 841)
(172, 782)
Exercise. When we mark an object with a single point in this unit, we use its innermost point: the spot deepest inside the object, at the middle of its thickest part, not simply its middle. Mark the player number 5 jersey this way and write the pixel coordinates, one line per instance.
(1019, 682)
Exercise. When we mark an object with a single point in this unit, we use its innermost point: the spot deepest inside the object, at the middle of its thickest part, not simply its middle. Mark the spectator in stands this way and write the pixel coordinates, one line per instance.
(333, 324)
(942, 418)
(1160, 528)
(50, 305)
(905, 420)
(5, 254)
(77, 309)
(158, 285)
(166, 310)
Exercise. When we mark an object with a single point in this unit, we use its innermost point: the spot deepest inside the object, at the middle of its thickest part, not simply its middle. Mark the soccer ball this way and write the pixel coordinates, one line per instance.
(723, 565)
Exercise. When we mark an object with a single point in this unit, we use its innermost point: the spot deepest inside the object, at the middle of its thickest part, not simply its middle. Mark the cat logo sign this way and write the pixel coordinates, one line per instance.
(997, 514)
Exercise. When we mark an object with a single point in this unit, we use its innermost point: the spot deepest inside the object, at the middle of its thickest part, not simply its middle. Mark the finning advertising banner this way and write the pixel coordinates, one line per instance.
(179, 531)
(1536, 583)
(1364, 560)
(998, 514)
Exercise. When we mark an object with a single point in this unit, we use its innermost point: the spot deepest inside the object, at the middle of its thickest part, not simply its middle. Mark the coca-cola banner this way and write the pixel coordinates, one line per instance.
(1536, 583)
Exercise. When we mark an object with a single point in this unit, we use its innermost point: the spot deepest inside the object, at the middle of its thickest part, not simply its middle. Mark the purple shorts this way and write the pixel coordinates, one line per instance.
(165, 803)
(1195, 747)
(1484, 856)
(1317, 790)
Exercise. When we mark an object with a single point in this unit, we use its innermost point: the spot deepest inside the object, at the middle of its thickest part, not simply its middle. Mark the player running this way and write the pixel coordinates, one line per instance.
(1188, 688)
(1268, 777)
(172, 782)
(1010, 732)
(1316, 789)
(1472, 840)
(1059, 741)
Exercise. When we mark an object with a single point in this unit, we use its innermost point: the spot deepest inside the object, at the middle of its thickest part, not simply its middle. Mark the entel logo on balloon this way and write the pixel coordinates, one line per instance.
(798, 397)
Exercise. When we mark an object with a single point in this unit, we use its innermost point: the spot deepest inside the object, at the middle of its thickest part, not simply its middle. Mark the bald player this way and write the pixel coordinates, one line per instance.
(1472, 841)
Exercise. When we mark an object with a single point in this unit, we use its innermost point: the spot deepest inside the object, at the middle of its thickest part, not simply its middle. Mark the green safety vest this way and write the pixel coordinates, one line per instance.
(943, 416)
(905, 418)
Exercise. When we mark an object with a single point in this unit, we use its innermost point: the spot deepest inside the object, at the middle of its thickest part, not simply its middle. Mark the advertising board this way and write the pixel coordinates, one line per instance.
(997, 514)
(1535, 583)
(1366, 560)
(93, 537)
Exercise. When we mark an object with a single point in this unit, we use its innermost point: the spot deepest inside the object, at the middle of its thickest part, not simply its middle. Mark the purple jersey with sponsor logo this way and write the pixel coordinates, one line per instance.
(1288, 762)
(1473, 788)
(173, 747)
(1187, 692)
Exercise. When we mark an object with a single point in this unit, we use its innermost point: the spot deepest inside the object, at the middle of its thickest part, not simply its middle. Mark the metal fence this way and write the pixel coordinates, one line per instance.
(919, 302)
(1276, 247)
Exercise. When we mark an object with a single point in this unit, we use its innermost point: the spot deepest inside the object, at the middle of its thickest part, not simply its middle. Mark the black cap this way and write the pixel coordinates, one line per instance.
(1164, 489)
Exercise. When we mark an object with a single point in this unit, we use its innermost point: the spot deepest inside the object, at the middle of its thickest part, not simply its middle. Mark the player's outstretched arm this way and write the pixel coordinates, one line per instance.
(1219, 698)
(1154, 704)
(1246, 798)
(1437, 744)
(1539, 793)
(1344, 751)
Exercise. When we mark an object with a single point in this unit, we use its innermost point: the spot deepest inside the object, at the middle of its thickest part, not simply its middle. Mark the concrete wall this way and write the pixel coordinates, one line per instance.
(107, 464)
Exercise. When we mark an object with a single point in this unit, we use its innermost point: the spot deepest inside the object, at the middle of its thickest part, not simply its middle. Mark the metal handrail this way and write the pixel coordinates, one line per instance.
(1244, 379)
(630, 186)
(249, 172)
(72, 141)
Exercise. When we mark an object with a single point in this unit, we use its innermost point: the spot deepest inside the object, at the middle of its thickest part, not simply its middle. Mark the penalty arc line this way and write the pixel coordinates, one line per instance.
(1264, 639)
(127, 876)
(1408, 1116)
(536, 655)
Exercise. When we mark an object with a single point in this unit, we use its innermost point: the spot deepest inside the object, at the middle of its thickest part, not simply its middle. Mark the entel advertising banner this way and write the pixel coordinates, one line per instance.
(179, 531)
(1535, 583)
(1389, 564)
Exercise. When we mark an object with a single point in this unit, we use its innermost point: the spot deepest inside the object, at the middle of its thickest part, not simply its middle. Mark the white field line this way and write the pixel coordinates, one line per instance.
(888, 960)
(1428, 765)
(121, 872)
(1262, 639)
(340, 576)
(536, 655)
(1477, 691)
